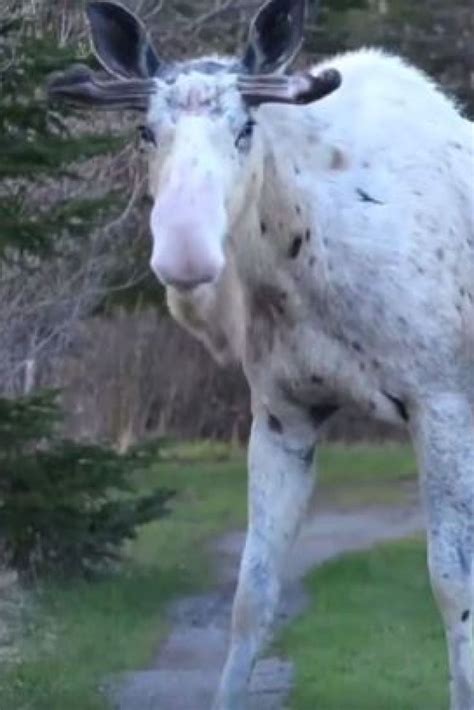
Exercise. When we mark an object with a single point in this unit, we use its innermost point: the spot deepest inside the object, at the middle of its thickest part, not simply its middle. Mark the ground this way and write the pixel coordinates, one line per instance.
(170, 605)
(186, 670)
(372, 638)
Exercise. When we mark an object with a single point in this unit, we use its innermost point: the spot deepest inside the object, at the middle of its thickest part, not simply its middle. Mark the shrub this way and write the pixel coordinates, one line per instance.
(65, 507)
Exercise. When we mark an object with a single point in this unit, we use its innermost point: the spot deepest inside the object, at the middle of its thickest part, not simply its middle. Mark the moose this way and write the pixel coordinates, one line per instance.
(318, 227)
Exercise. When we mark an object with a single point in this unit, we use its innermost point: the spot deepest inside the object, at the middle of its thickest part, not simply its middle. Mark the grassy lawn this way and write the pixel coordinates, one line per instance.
(371, 639)
(76, 634)
(365, 475)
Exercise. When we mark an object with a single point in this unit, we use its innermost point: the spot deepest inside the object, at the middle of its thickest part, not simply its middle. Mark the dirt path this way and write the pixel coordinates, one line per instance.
(186, 671)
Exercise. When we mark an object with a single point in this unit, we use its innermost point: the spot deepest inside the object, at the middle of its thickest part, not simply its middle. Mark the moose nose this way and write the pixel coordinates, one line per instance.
(186, 271)
(187, 247)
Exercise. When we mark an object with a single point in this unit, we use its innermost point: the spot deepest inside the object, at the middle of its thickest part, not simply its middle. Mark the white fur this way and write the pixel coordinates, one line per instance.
(375, 310)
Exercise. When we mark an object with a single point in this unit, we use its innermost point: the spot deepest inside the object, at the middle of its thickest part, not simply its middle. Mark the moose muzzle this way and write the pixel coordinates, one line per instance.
(188, 224)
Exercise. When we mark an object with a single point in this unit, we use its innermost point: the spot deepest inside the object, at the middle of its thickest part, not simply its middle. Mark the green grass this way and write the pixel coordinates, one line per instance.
(371, 638)
(79, 633)
(365, 463)
(365, 474)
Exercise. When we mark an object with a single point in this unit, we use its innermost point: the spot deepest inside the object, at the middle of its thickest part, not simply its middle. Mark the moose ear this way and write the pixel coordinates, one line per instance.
(276, 36)
(121, 42)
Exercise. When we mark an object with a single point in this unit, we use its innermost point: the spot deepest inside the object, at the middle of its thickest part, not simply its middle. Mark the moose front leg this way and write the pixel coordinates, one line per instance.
(281, 481)
(443, 432)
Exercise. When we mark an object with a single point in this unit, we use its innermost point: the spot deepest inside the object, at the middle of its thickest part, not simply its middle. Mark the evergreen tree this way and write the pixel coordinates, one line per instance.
(63, 506)
(35, 143)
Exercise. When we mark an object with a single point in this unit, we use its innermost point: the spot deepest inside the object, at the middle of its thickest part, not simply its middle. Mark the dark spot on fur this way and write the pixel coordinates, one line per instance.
(420, 270)
(365, 197)
(366, 164)
(320, 413)
(338, 160)
(465, 615)
(275, 424)
(316, 380)
(312, 260)
(464, 561)
(295, 247)
(376, 364)
(263, 227)
(362, 366)
(462, 292)
(307, 235)
(440, 254)
(418, 193)
(297, 170)
(399, 406)
(297, 209)
(357, 347)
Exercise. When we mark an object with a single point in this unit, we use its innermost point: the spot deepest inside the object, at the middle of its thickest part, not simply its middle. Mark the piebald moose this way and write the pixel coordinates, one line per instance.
(318, 227)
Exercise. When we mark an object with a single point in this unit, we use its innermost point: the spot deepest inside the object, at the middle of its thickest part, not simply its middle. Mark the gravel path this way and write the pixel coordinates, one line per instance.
(185, 673)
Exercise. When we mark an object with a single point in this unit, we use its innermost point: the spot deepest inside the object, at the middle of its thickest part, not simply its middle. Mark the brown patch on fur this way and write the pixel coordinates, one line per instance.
(266, 307)
(339, 160)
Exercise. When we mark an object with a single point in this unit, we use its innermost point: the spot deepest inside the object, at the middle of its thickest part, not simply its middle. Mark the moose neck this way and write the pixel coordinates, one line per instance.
(270, 237)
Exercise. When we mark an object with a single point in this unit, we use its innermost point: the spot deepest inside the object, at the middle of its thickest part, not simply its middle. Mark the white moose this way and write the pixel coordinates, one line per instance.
(328, 245)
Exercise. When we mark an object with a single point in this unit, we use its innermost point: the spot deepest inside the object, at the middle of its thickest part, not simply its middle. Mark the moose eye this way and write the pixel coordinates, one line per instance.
(245, 134)
(147, 135)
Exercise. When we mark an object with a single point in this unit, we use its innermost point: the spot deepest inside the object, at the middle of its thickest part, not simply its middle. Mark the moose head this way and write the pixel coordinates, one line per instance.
(201, 125)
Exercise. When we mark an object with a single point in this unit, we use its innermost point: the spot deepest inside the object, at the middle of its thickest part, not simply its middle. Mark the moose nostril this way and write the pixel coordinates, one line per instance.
(184, 280)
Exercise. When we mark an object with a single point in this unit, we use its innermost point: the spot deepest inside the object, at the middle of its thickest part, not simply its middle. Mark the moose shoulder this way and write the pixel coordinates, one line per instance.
(319, 227)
